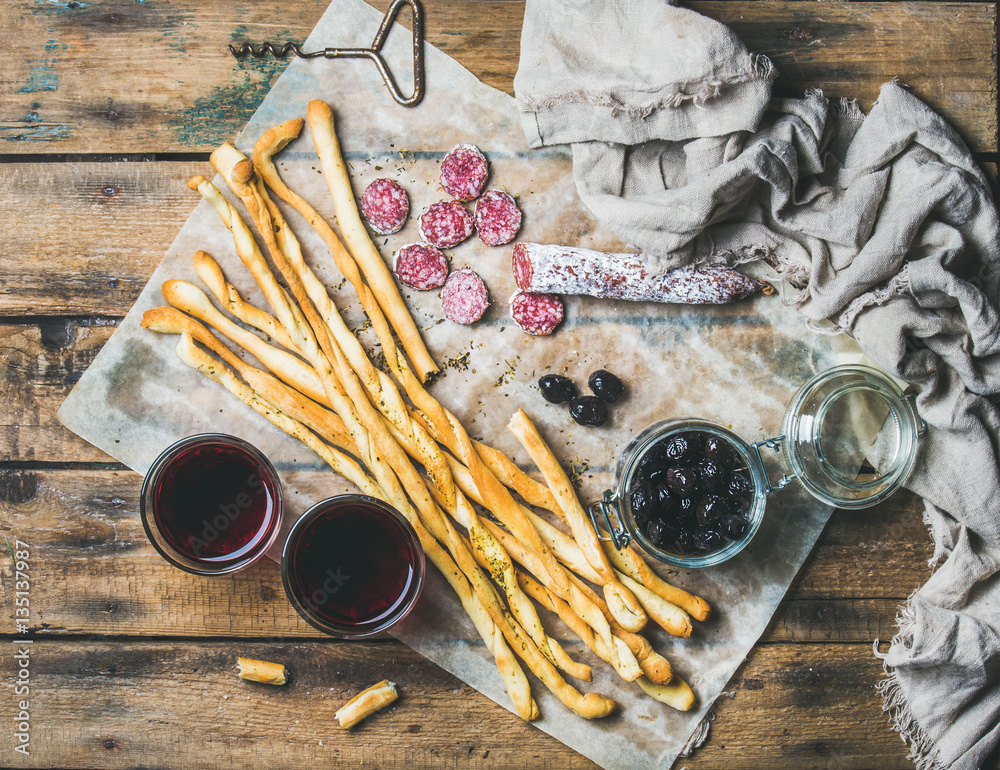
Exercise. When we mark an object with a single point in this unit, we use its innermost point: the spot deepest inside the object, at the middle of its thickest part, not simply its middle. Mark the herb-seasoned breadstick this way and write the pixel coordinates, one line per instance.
(383, 297)
(624, 606)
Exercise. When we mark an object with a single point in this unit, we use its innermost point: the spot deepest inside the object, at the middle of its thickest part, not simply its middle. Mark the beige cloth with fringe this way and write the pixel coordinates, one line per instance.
(881, 224)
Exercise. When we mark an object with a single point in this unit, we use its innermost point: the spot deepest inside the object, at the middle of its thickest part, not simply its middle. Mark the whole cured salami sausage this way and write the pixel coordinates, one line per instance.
(463, 172)
(497, 218)
(464, 297)
(536, 313)
(569, 270)
(420, 266)
(385, 206)
(445, 224)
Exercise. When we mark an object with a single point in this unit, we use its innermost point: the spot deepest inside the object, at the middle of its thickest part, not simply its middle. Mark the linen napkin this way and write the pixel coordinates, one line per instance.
(882, 227)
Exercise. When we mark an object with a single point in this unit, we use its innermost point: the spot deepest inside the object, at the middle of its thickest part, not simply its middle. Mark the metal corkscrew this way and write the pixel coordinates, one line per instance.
(372, 53)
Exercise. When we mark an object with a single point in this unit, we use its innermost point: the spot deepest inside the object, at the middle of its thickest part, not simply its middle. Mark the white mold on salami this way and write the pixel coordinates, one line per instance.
(445, 224)
(463, 172)
(569, 270)
(497, 218)
(385, 206)
(536, 313)
(464, 297)
(420, 266)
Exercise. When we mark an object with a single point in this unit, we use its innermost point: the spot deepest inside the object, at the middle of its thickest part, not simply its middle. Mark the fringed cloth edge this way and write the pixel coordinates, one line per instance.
(923, 751)
(757, 67)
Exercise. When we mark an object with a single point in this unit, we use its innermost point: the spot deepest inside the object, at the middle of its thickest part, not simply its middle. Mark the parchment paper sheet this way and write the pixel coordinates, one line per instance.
(736, 365)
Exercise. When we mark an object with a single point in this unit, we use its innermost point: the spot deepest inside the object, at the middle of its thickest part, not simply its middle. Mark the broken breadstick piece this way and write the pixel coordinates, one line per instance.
(366, 703)
(262, 671)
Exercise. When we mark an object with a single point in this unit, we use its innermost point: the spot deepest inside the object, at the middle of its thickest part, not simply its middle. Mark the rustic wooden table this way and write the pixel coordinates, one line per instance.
(106, 108)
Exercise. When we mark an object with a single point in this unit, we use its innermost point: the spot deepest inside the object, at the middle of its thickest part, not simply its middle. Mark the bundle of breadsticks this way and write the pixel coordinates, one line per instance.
(390, 437)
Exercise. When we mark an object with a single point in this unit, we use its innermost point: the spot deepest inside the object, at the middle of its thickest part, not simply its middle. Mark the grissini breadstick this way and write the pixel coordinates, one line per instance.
(653, 665)
(677, 694)
(346, 466)
(231, 164)
(193, 301)
(321, 124)
(210, 272)
(246, 248)
(491, 557)
(626, 609)
(630, 563)
(669, 616)
(322, 421)
(384, 293)
(623, 660)
(590, 706)
(328, 149)
(366, 703)
(553, 603)
(506, 470)
(628, 647)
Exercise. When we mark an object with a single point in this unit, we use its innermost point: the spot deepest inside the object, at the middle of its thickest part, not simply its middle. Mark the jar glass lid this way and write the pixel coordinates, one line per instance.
(851, 436)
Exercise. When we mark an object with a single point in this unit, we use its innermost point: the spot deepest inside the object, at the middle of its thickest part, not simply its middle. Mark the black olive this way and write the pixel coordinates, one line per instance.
(651, 464)
(710, 474)
(696, 445)
(664, 500)
(706, 539)
(710, 508)
(685, 539)
(719, 450)
(556, 389)
(642, 500)
(606, 386)
(740, 488)
(656, 532)
(733, 526)
(677, 449)
(681, 480)
(588, 410)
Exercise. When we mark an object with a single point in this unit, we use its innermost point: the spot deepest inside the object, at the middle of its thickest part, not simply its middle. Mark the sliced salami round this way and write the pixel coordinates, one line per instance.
(497, 218)
(464, 297)
(536, 313)
(385, 206)
(445, 224)
(463, 172)
(420, 266)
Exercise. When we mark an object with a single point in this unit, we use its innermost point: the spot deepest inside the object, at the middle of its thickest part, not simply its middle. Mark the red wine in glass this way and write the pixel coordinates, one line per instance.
(211, 504)
(352, 566)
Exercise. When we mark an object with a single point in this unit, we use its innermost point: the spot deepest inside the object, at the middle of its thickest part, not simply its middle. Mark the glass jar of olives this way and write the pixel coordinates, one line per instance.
(693, 493)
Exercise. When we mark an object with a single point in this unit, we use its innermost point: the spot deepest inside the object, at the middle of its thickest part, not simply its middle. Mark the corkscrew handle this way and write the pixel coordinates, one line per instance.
(372, 53)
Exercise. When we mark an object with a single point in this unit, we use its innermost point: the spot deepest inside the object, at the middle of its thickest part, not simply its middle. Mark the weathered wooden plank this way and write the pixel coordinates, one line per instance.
(87, 236)
(829, 694)
(74, 249)
(865, 552)
(96, 572)
(121, 76)
(95, 703)
(851, 49)
(39, 364)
